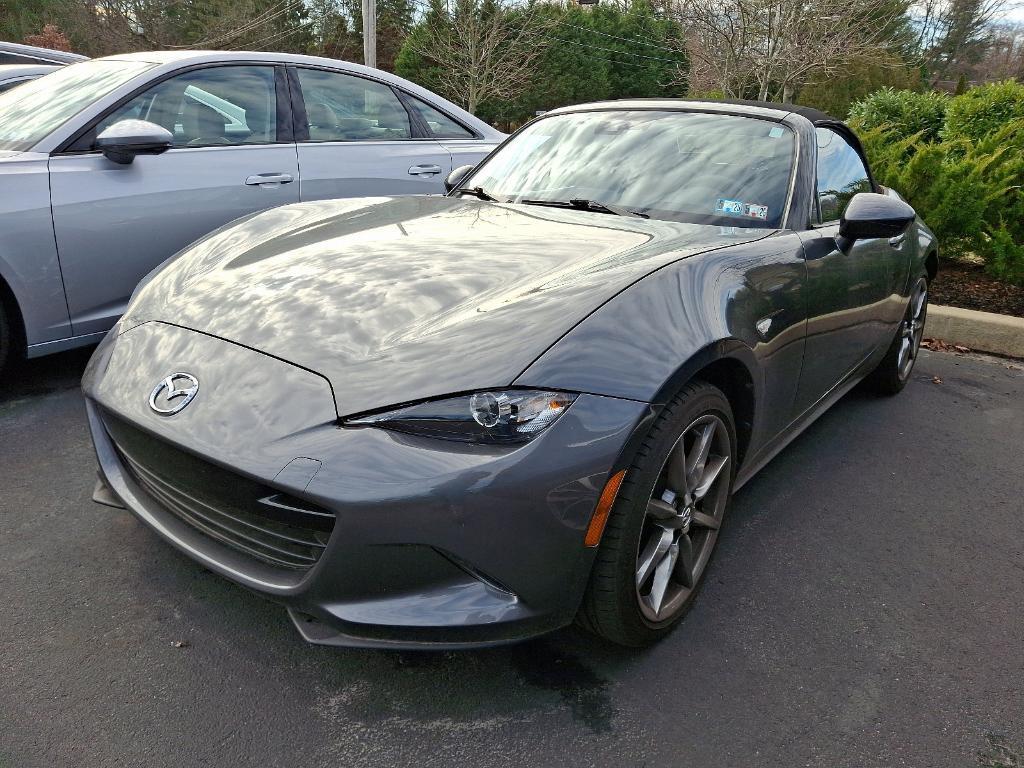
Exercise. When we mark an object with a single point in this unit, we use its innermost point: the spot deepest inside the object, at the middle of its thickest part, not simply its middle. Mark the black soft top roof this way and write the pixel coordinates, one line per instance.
(812, 114)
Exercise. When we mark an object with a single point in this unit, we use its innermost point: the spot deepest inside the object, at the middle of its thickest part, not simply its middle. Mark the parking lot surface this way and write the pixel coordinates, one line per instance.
(864, 609)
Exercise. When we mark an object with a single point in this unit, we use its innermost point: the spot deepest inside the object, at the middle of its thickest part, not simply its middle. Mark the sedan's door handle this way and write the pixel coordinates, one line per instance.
(268, 179)
(424, 170)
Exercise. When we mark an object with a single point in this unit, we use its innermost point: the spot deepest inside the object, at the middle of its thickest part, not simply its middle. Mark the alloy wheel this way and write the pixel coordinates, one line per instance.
(683, 517)
(912, 329)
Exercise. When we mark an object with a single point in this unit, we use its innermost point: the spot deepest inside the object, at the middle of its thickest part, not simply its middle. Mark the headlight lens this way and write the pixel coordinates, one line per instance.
(496, 416)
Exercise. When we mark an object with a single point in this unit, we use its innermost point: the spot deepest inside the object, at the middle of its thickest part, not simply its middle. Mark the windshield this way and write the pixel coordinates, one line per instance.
(679, 166)
(33, 110)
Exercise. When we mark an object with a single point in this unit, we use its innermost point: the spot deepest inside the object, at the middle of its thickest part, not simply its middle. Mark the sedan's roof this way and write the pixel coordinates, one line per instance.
(40, 54)
(763, 109)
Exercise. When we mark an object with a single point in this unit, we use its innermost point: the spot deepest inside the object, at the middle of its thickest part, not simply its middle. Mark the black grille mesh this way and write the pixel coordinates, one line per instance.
(253, 518)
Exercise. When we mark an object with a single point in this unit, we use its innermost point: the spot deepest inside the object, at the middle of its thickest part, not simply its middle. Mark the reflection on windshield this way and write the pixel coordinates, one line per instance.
(34, 110)
(681, 166)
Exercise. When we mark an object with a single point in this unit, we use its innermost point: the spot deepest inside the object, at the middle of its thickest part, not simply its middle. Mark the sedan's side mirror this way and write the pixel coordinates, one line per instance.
(456, 177)
(125, 139)
(870, 215)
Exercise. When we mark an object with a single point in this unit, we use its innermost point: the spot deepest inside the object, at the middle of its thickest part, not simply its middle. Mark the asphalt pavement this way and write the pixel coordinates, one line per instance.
(865, 608)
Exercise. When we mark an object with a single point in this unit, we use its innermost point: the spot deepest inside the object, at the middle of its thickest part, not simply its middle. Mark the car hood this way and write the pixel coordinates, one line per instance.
(399, 299)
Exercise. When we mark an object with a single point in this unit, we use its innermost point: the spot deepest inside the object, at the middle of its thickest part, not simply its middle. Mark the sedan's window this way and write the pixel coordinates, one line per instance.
(680, 166)
(342, 107)
(8, 84)
(36, 109)
(209, 107)
(841, 175)
(440, 125)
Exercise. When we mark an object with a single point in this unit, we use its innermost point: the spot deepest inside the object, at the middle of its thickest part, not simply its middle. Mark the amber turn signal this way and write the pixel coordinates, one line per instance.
(604, 507)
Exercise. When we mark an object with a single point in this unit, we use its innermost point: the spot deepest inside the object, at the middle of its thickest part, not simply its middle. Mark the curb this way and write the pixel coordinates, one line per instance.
(981, 331)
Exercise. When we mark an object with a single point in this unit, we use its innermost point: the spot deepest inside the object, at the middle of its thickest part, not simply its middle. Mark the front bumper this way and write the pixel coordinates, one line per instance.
(434, 544)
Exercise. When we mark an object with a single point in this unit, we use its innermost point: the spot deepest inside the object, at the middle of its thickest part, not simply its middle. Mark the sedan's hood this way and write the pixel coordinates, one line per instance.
(393, 300)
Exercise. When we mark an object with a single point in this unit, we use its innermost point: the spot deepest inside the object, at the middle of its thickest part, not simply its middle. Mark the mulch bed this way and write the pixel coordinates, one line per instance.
(969, 287)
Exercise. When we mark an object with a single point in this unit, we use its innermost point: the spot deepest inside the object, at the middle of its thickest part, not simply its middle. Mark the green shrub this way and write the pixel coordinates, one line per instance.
(969, 192)
(984, 110)
(905, 113)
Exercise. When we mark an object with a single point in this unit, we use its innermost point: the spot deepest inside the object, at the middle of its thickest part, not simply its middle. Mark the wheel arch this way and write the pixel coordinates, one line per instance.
(10, 305)
(931, 263)
(729, 365)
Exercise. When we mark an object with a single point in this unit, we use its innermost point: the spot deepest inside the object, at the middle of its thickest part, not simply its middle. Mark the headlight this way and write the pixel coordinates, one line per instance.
(498, 416)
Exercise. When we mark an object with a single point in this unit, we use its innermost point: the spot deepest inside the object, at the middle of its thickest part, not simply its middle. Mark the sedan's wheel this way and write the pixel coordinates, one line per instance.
(893, 373)
(5, 339)
(664, 526)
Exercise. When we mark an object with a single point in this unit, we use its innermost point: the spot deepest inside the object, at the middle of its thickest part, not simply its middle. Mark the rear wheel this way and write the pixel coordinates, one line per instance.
(893, 373)
(663, 529)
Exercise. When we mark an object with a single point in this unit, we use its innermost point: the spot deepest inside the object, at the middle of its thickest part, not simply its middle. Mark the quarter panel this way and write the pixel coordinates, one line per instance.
(28, 252)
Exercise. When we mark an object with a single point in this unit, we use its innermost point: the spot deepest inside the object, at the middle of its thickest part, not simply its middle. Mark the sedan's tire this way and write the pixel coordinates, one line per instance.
(6, 339)
(893, 373)
(664, 525)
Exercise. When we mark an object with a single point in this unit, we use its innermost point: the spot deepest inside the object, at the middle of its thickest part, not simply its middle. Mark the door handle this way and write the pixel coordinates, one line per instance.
(424, 170)
(268, 180)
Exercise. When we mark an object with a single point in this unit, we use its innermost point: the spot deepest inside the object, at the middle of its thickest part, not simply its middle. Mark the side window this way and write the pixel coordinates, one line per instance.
(342, 107)
(841, 175)
(441, 126)
(209, 107)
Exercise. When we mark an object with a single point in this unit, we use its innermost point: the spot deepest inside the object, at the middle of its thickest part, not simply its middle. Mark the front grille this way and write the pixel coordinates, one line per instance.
(253, 518)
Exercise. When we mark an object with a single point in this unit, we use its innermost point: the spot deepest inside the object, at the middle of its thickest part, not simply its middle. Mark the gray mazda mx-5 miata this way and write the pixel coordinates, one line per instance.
(469, 419)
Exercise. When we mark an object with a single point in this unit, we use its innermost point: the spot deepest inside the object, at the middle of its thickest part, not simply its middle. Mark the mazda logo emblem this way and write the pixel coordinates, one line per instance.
(173, 393)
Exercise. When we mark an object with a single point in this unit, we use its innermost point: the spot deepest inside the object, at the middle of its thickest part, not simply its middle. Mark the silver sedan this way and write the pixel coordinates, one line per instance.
(110, 166)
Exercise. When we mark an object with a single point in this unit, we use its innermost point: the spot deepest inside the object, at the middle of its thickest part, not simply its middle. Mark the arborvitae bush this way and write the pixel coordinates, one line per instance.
(905, 113)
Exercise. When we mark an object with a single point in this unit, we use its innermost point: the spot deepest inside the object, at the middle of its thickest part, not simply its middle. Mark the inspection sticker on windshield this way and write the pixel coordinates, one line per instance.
(739, 208)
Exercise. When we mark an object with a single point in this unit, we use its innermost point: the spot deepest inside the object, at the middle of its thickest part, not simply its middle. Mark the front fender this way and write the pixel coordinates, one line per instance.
(744, 302)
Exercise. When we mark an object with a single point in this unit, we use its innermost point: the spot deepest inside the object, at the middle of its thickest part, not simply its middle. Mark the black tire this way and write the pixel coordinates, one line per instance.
(6, 339)
(614, 607)
(894, 371)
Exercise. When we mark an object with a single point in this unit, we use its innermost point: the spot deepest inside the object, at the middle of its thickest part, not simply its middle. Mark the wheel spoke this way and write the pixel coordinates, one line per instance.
(676, 470)
(686, 563)
(712, 469)
(654, 553)
(662, 577)
(705, 520)
(699, 455)
(660, 510)
(919, 303)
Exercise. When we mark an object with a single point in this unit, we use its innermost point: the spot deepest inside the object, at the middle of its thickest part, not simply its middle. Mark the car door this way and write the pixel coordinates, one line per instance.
(233, 154)
(849, 292)
(356, 138)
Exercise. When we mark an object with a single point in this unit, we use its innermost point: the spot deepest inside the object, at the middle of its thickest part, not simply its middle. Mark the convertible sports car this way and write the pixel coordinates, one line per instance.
(470, 419)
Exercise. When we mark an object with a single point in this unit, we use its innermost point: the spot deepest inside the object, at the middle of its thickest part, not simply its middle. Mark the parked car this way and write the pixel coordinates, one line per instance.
(16, 53)
(109, 166)
(463, 420)
(16, 74)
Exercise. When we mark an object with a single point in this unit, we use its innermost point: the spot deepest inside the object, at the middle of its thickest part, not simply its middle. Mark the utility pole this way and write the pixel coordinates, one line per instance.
(370, 33)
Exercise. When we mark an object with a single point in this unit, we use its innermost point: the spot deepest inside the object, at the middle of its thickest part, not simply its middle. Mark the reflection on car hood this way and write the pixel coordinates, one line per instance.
(398, 299)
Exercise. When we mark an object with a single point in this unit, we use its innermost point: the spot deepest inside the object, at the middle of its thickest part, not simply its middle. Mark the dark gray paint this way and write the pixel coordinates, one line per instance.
(386, 301)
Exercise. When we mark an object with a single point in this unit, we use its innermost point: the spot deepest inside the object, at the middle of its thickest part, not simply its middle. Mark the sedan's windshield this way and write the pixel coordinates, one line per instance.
(34, 110)
(680, 166)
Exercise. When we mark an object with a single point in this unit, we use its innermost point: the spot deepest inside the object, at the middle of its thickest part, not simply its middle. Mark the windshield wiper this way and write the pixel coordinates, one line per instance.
(476, 192)
(588, 205)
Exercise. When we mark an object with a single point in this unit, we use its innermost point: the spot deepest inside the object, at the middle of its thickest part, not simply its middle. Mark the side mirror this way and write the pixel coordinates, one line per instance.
(125, 139)
(456, 177)
(872, 215)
